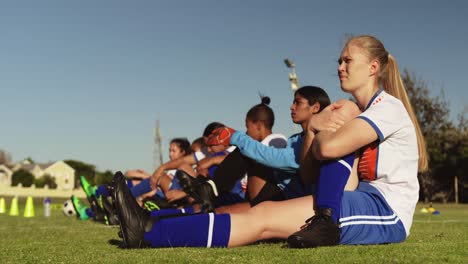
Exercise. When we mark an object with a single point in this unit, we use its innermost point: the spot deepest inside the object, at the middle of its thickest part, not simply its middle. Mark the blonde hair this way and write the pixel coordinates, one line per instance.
(390, 79)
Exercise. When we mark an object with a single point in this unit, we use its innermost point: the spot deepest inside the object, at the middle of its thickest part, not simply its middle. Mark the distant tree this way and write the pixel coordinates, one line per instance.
(82, 169)
(446, 142)
(22, 176)
(30, 160)
(104, 177)
(45, 179)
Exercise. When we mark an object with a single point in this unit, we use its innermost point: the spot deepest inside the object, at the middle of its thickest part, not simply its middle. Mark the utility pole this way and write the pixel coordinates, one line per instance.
(157, 148)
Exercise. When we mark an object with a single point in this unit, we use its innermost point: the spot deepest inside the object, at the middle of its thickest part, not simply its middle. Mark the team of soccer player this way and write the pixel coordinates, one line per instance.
(349, 177)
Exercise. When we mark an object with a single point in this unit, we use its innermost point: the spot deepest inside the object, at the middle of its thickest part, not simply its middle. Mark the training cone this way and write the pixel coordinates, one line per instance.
(424, 210)
(29, 209)
(14, 207)
(2, 206)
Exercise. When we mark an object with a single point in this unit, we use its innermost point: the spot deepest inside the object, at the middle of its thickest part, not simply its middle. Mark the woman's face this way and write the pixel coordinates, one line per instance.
(252, 130)
(301, 111)
(354, 68)
(175, 152)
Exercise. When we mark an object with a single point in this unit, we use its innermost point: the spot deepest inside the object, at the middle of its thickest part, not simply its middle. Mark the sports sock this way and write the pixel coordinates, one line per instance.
(160, 193)
(175, 184)
(102, 191)
(89, 213)
(129, 183)
(141, 188)
(172, 211)
(333, 177)
(201, 230)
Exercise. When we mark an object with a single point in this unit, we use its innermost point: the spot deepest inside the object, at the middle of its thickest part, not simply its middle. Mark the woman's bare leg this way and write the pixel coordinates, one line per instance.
(233, 209)
(270, 220)
(188, 169)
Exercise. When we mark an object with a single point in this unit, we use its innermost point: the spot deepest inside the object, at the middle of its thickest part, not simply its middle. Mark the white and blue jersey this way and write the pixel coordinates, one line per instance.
(383, 205)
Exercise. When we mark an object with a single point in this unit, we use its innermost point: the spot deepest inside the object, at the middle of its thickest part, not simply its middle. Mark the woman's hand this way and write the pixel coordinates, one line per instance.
(327, 120)
(221, 135)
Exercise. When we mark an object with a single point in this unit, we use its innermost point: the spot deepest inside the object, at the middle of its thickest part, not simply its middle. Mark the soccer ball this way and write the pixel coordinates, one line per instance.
(68, 208)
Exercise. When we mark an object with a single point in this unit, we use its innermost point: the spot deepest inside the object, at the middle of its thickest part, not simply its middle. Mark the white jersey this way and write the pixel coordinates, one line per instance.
(171, 173)
(391, 163)
(275, 140)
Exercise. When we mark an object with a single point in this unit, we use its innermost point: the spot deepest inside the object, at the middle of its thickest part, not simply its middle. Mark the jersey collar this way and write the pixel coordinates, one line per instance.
(373, 98)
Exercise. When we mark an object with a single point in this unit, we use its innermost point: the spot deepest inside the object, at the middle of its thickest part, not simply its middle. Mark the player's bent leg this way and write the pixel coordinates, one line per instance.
(269, 220)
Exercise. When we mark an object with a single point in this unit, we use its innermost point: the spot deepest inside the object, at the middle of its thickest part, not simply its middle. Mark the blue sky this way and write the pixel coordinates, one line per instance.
(87, 80)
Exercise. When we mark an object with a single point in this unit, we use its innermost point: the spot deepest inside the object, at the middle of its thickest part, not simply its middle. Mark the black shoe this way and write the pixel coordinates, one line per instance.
(319, 230)
(198, 188)
(99, 214)
(110, 212)
(134, 220)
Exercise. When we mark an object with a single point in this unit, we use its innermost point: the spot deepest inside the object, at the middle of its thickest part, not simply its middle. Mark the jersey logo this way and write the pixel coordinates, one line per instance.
(377, 100)
(368, 162)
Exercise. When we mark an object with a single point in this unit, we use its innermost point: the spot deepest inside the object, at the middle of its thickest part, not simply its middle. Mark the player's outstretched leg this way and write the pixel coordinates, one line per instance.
(134, 220)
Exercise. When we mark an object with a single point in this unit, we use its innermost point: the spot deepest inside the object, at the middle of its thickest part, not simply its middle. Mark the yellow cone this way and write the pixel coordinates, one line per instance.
(14, 206)
(2, 206)
(29, 209)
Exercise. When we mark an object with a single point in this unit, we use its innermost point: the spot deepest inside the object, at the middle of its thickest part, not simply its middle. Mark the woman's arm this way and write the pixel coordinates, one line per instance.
(310, 166)
(348, 138)
(208, 162)
(280, 158)
(170, 165)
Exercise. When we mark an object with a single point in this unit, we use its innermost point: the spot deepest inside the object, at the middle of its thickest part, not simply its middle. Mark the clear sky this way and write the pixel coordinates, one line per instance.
(87, 80)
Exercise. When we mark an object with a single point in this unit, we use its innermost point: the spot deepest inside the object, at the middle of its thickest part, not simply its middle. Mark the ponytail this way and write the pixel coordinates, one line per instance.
(393, 84)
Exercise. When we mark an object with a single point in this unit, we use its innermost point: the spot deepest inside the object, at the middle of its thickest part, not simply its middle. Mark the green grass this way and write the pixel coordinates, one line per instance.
(59, 239)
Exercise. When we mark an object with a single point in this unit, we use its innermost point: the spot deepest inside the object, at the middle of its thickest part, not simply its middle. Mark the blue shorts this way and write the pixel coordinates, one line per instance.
(366, 218)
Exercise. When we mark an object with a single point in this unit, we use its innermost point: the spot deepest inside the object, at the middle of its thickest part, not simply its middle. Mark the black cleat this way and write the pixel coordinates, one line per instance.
(134, 220)
(319, 230)
(199, 188)
(110, 212)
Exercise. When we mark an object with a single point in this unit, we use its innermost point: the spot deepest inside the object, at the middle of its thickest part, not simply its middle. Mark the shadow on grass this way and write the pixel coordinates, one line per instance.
(116, 242)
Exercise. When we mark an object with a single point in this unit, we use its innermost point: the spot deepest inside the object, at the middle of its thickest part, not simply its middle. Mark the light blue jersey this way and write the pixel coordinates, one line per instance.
(285, 160)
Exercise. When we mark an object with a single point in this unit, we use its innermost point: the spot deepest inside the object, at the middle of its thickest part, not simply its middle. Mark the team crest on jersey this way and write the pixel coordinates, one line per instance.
(368, 162)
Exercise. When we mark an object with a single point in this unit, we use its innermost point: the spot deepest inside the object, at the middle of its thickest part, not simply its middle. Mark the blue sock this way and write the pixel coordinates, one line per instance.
(172, 211)
(175, 184)
(102, 190)
(333, 177)
(89, 212)
(129, 183)
(160, 193)
(141, 188)
(200, 230)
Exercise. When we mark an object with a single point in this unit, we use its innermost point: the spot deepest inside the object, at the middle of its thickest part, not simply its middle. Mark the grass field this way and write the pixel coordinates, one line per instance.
(59, 239)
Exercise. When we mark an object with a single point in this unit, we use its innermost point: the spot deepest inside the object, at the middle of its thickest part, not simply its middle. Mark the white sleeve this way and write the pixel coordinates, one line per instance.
(386, 117)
